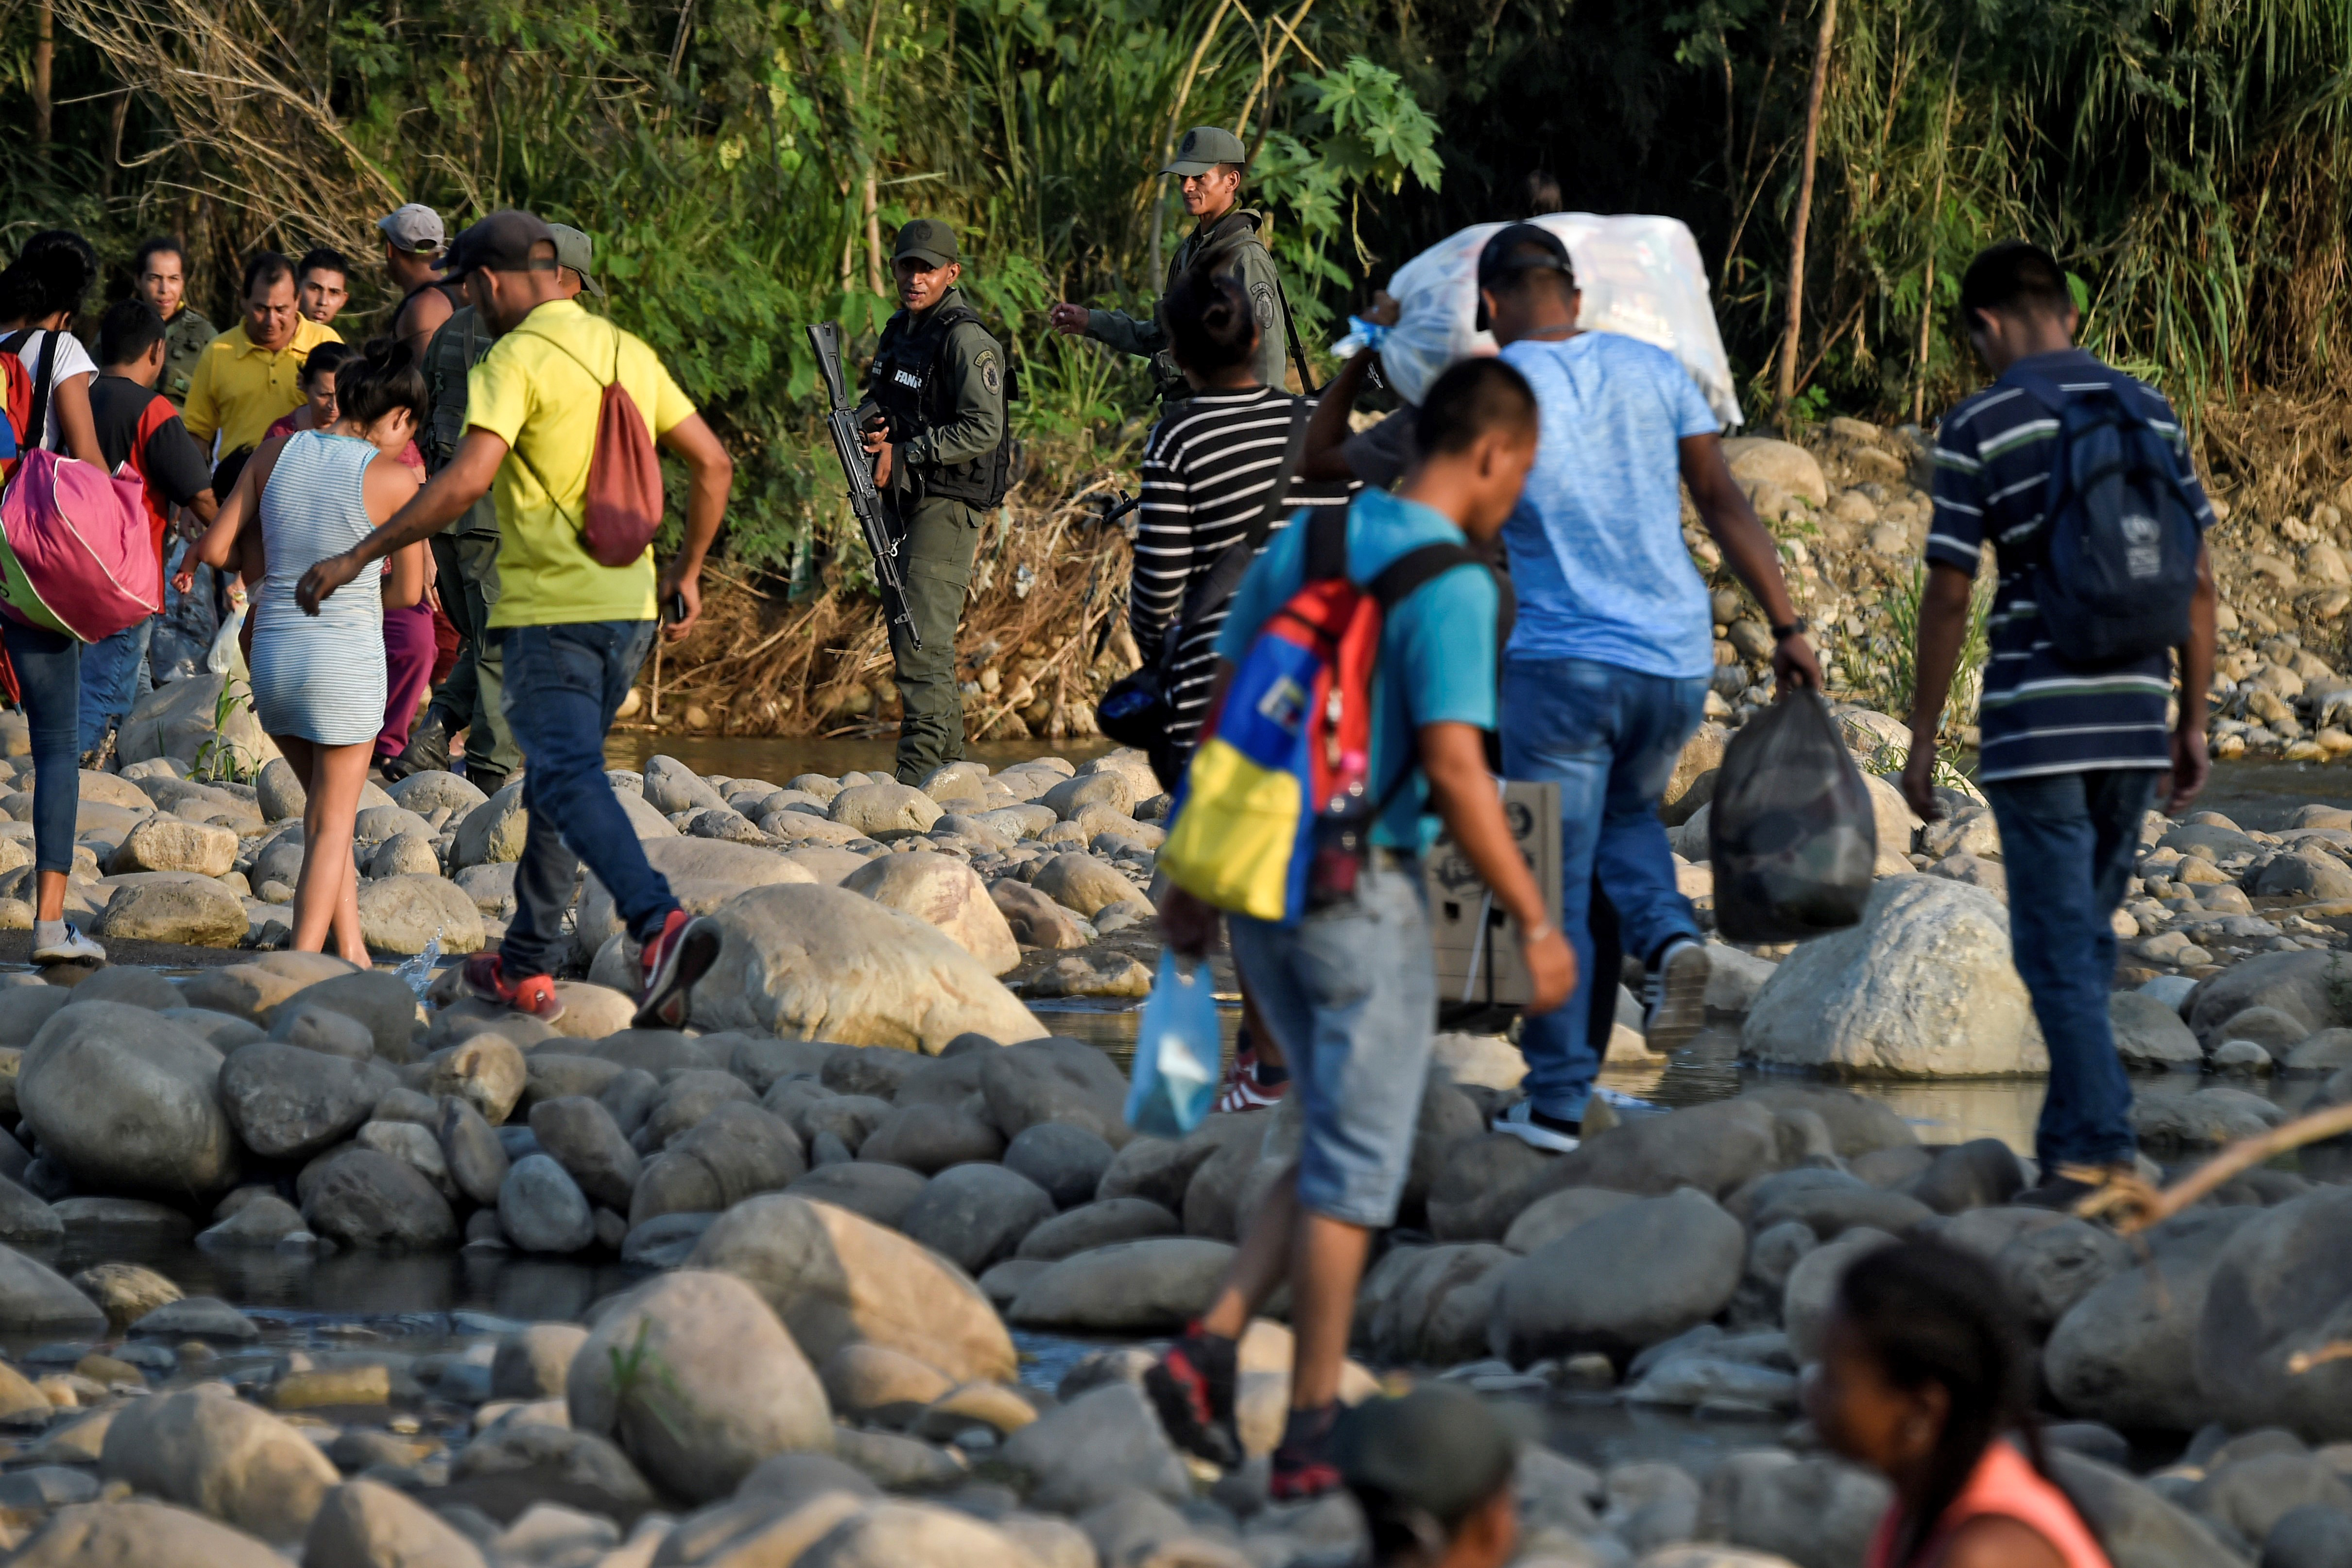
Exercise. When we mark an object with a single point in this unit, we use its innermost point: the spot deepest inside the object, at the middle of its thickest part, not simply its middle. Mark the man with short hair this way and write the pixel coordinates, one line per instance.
(1434, 1472)
(138, 425)
(1350, 991)
(468, 553)
(574, 630)
(250, 375)
(413, 237)
(2071, 758)
(159, 274)
(936, 422)
(1210, 162)
(1607, 670)
(322, 284)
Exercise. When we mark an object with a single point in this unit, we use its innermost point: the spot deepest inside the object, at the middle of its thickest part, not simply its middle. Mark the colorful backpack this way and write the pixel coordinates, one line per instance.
(1287, 752)
(24, 399)
(74, 553)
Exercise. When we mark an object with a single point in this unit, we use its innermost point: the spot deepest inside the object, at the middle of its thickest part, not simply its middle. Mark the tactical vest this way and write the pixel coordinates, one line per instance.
(456, 348)
(904, 384)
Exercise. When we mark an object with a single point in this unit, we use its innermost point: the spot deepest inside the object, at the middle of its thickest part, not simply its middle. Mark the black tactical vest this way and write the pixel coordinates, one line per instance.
(906, 385)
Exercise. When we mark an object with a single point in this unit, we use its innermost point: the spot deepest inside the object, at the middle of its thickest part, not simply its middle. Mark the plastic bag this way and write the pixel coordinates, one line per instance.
(1178, 1053)
(1642, 277)
(1790, 830)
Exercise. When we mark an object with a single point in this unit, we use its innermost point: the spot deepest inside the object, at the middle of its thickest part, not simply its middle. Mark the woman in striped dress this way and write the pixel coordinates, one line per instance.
(318, 680)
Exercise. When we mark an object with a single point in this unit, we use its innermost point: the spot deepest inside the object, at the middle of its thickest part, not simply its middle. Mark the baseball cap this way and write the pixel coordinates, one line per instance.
(1439, 1450)
(1505, 255)
(926, 239)
(502, 242)
(414, 228)
(576, 251)
(1203, 147)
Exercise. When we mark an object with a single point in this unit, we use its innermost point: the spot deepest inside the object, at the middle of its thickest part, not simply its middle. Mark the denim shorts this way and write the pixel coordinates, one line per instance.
(1350, 993)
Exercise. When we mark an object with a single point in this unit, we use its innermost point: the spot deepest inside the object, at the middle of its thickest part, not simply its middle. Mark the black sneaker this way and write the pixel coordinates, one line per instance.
(1191, 1387)
(2089, 1191)
(1673, 995)
(428, 749)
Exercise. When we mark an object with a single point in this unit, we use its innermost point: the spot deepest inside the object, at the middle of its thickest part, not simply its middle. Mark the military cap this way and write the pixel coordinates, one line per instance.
(1203, 147)
(575, 250)
(926, 239)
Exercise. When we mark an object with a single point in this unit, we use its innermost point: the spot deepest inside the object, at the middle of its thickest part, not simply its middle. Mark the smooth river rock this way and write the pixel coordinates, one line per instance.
(128, 1102)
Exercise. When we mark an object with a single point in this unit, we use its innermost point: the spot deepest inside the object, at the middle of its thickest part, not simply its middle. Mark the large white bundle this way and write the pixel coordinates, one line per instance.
(1640, 276)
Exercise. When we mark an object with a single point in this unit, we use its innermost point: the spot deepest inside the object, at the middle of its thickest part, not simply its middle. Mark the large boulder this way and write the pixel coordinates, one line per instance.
(288, 1103)
(2279, 1305)
(1056, 1080)
(360, 1198)
(735, 1153)
(1789, 468)
(1676, 1261)
(173, 844)
(36, 1299)
(975, 1215)
(885, 807)
(697, 1380)
(582, 1136)
(1712, 1148)
(1923, 987)
(543, 1209)
(208, 1449)
(493, 831)
(702, 874)
(403, 914)
(172, 906)
(1430, 1306)
(366, 1524)
(2150, 1034)
(128, 1102)
(945, 892)
(136, 1533)
(2304, 986)
(2137, 1527)
(837, 1278)
(182, 720)
(1096, 1446)
(1145, 1286)
(820, 962)
(1080, 882)
(376, 997)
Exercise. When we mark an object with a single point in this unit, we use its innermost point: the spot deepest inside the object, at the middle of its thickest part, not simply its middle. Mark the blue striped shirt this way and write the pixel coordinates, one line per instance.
(2038, 714)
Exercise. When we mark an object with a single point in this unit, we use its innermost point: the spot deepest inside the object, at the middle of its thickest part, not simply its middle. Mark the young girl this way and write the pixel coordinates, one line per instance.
(317, 381)
(318, 680)
(1927, 1376)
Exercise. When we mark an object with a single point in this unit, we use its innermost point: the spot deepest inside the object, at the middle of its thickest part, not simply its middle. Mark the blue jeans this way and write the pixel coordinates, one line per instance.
(2068, 842)
(563, 684)
(110, 678)
(49, 674)
(1609, 737)
(1350, 993)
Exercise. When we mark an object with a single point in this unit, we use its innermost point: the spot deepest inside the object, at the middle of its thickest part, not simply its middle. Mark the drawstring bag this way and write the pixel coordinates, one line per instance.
(76, 555)
(621, 509)
(1178, 1052)
(1790, 830)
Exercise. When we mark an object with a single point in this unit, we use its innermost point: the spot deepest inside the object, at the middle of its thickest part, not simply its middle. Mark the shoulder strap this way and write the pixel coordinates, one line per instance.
(575, 359)
(1226, 573)
(1414, 568)
(1327, 544)
(37, 422)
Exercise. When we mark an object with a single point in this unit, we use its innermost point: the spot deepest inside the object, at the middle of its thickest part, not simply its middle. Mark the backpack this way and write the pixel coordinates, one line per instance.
(621, 506)
(2120, 536)
(1287, 753)
(74, 553)
(27, 399)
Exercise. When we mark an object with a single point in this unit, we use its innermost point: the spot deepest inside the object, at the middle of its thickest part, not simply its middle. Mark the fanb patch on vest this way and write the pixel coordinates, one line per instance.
(990, 378)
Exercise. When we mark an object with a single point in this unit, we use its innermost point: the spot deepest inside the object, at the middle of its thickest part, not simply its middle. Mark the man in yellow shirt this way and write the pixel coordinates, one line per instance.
(574, 631)
(248, 377)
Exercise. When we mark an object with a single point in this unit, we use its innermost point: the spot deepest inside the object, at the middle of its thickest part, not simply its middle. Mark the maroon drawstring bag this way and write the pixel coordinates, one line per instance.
(621, 506)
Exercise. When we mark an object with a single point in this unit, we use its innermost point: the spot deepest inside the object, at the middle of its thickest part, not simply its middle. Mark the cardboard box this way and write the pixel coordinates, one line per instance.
(1477, 944)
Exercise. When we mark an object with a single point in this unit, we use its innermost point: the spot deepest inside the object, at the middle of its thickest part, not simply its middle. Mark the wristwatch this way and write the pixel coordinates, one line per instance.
(1782, 634)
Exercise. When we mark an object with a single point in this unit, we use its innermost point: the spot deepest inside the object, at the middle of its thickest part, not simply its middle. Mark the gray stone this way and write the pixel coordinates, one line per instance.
(2150, 1034)
(1092, 1447)
(2137, 1527)
(206, 1450)
(315, 1028)
(2300, 984)
(541, 1209)
(583, 1137)
(2311, 1536)
(198, 1318)
(288, 1103)
(24, 1217)
(1813, 1286)
(2206, 1119)
(1816, 1512)
(1056, 1079)
(665, 1242)
(876, 1192)
(686, 1097)
(36, 1299)
(738, 1152)
(362, 1199)
(2252, 1495)
(1068, 1161)
(976, 1215)
(1552, 1216)
(1680, 1260)
(1712, 1148)
(1160, 1169)
(476, 1161)
(1828, 1212)
(2283, 1287)
(930, 1138)
(366, 1524)
(1430, 1305)
(1483, 1186)
(264, 1222)
(377, 998)
(1149, 1286)
(143, 1533)
(127, 1102)
(172, 906)
(1858, 1125)
(1975, 1174)
(539, 1457)
(1098, 1224)
(2050, 1270)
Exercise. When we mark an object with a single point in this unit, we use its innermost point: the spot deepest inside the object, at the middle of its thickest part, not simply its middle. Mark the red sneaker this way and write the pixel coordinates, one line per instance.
(1241, 1091)
(680, 953)
(1301, 1474)
(1192, 1388)
(485, 979)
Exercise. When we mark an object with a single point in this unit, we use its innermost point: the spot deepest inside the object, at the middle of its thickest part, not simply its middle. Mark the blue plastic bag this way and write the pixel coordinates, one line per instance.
(1177, 1056)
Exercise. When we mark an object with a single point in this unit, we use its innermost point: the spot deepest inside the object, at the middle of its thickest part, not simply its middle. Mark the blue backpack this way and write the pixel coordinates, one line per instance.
(2119, 535)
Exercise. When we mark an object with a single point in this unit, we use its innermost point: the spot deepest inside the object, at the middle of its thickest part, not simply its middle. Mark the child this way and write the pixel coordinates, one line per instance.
(1927, 1377)
(317, 381)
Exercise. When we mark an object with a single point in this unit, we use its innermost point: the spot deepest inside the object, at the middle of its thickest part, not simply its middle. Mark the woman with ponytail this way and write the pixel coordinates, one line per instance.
(1927, 1376)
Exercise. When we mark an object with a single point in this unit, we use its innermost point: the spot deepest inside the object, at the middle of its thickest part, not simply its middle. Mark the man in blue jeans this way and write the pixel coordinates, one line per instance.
(2071, 759)
(574, 630)
(1607, 669)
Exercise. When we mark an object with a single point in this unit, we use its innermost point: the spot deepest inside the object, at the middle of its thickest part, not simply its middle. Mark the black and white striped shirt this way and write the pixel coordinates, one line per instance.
(1205, 478)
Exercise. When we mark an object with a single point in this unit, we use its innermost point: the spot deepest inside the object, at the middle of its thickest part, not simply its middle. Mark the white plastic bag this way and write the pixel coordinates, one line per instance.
(1178, 1052)
(1642, 277)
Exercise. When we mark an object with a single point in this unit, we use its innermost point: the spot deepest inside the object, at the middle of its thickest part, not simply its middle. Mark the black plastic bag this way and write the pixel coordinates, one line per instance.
(1790, 830)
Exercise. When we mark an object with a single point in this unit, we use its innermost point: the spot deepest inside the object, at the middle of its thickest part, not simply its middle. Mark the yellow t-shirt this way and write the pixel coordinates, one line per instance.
(238, 391)
(543, 402)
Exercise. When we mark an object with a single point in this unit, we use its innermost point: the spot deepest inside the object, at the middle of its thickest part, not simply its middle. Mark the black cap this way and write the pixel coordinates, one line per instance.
(1507, 253)
(927, 239)
(1439, 1451)
(502, 242)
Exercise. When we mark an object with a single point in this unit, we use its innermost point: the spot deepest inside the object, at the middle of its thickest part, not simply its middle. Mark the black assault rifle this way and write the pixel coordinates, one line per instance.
(849, 445)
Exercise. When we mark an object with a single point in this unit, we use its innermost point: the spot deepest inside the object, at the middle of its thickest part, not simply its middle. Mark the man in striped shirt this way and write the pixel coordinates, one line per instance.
(2072, 757)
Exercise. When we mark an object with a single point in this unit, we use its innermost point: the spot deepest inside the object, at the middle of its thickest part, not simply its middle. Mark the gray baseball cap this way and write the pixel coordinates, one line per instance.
(576, 251)
(1203, 147)
(415, 227)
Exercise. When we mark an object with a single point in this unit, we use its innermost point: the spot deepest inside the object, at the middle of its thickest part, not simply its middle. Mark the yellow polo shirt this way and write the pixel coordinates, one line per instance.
(238, 390)
(540, 390)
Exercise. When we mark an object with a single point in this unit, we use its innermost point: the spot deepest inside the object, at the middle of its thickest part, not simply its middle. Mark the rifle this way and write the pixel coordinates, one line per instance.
(849, 445)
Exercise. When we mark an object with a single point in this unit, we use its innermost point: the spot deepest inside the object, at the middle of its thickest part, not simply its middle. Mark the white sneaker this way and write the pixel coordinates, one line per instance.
(1674, 997)
(74, 948)
(1520, 1122)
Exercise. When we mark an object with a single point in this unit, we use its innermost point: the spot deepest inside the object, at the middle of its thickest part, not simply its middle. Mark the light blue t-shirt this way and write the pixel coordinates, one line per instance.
(1597, 552)
(1437, 647)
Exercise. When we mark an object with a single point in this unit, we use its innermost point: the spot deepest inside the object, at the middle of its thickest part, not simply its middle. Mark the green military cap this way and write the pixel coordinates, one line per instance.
(926, 239)
(576, 251)
(1203, 147)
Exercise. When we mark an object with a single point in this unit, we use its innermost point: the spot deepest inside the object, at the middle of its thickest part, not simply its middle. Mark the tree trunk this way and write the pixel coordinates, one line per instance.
(873, 235)
(1787, 381)
(44, 50)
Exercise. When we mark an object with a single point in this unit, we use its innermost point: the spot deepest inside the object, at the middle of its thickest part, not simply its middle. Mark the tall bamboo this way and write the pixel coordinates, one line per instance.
(1795, 323)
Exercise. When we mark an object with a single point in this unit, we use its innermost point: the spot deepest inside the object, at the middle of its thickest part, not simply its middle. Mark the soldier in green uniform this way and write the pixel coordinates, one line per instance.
(160, 272)
(466, 554)
(935, 419)
(1226, 236)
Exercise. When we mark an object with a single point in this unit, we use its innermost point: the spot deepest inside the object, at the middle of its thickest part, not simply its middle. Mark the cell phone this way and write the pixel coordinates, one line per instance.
(674, 607)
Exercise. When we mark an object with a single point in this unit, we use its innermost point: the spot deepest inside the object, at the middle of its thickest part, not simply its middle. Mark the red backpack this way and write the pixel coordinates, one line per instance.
(621, 506)
(27, 399)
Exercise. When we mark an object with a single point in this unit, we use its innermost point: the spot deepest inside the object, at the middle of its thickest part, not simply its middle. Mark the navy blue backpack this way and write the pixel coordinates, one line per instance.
(2119, 534)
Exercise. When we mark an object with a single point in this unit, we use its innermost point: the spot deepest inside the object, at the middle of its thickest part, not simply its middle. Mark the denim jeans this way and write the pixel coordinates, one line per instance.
(2068, 842)
(48, 673)
(1609, 737)
(110, 678)
(1350, 993)
(564, 685)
